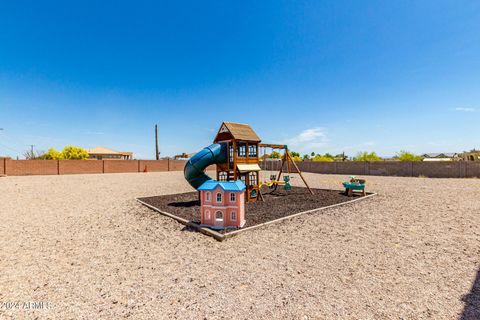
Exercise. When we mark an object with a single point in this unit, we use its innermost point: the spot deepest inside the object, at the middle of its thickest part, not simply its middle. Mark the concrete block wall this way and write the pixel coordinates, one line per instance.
(118, 166)
(176, 165)
(460, 169)
(79, 166)
(399, 169)
(2, 165)
(153, 165)
(472, 169)
(30, 167)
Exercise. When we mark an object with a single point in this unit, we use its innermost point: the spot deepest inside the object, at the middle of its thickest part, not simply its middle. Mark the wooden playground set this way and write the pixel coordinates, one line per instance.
(240, 196)
(244, 159)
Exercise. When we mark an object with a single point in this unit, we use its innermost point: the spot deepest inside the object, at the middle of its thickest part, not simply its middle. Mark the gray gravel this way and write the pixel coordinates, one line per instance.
(82, 244)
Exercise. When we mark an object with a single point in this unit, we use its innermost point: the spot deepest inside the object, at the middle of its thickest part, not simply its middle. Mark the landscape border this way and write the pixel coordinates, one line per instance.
(221, 237)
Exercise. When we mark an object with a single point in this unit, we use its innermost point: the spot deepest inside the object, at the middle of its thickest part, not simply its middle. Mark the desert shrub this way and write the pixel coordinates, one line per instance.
(408, 156)
(367, 156)
(323, 158)
(297, 158)
(294, 154)
(275, 155)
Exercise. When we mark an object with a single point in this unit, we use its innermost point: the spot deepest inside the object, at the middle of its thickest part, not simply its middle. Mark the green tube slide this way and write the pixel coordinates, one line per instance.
(194, 170)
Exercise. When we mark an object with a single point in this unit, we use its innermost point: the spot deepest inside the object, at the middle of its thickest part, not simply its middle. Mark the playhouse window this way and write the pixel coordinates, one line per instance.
(233, 216)
(223, 176)
(207, 196)
(231, 152)
(233, 197)
(252, 151)
(207, 215)
(243, 177)
(252, 178)
(219, 216)
(219, 197)
(241, 150)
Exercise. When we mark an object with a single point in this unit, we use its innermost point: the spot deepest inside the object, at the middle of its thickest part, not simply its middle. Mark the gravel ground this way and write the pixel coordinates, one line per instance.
(83, 244)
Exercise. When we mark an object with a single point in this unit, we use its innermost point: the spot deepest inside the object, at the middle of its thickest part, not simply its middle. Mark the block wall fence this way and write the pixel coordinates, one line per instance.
(454, 169)
(457, 169)
(11, 167)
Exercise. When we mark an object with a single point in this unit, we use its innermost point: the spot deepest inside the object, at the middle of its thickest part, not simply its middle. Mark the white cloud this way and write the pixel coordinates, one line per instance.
(463, 109)
(309, 140)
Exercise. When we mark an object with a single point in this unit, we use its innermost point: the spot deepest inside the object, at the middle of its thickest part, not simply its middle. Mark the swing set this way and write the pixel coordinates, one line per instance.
(275, 180)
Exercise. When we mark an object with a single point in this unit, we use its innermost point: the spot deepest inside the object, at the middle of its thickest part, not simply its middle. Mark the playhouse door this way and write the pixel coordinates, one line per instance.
(219, 219)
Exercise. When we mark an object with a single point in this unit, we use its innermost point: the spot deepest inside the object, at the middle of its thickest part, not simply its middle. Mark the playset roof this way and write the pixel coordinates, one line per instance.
(233, 186)
(238, 131)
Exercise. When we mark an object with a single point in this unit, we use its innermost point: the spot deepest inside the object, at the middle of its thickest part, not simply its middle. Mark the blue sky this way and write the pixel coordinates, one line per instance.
(323, 76)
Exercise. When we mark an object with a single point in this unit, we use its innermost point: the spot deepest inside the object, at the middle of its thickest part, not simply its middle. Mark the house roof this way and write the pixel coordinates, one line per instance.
(239, 131)
(210, 185)
(440, 155)
(103, 150)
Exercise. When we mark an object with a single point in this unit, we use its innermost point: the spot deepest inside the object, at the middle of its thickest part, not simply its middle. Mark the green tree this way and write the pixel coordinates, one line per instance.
(297, 158)
(367, 156)
(321, 158)
(294, 154)
(68, 153)
(51, 154)
(74, 153)
(312, 154)
(408, 156)
(275, 155)
(306, 157)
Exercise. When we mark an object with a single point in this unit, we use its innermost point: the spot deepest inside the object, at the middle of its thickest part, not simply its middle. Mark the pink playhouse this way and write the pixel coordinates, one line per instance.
(222, 204)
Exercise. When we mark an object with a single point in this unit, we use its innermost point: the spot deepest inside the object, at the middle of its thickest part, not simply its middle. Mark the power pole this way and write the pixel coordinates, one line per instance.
(32, 145)
(157, 154)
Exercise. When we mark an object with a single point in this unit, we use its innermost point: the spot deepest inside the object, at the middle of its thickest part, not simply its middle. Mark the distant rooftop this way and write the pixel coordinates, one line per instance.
(103, 150)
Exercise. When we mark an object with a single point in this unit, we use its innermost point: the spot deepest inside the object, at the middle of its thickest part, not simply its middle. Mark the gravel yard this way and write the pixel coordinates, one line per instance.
(85, 247)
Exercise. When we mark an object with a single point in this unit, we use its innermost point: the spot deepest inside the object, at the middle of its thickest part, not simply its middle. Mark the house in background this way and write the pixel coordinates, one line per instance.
(222, 204)
(473, 155)
(448, 156)
(102, 153)
(183, 156)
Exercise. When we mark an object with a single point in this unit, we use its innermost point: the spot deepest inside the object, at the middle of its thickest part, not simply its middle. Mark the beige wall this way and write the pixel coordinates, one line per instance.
(451, 169)
(52, 167)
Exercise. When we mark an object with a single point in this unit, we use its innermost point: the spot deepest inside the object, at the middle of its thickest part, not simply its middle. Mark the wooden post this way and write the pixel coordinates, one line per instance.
(300, 173)
(157, 155)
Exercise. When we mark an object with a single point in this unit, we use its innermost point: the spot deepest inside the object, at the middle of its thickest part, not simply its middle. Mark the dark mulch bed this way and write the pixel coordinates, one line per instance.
(277, 204)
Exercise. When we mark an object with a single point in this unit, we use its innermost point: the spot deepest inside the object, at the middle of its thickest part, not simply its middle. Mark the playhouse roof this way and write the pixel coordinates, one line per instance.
(210, 185)
(238, 131)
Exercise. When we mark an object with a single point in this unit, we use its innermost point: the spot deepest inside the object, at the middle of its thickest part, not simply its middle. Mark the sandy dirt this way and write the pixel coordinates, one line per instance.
(82, 245)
